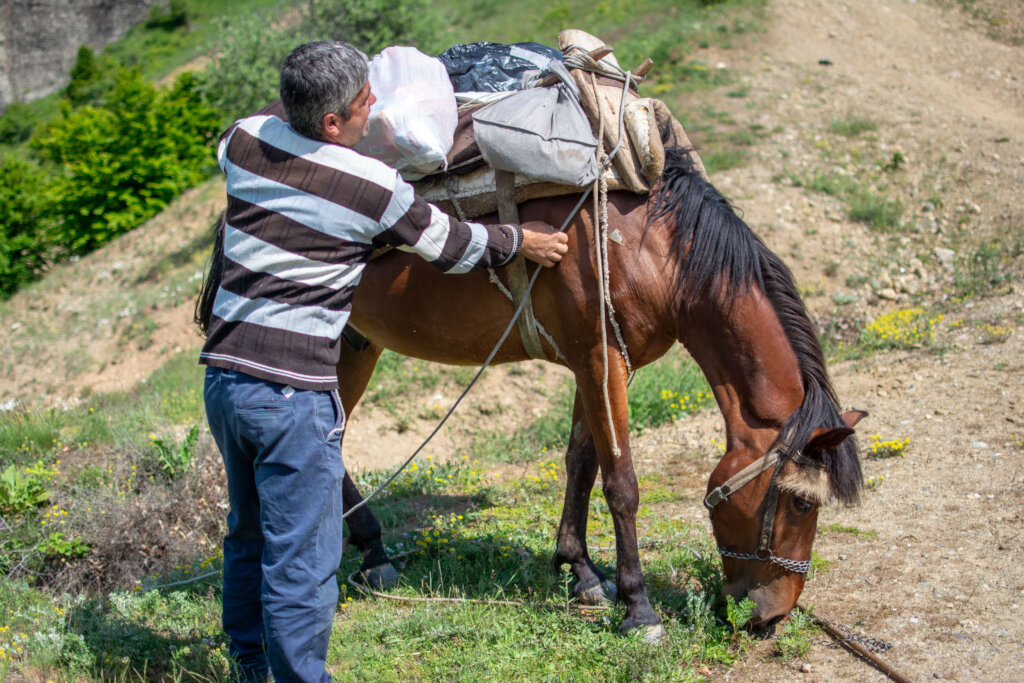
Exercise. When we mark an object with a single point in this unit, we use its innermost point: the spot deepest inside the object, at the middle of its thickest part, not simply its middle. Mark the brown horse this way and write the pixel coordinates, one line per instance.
(687, 270)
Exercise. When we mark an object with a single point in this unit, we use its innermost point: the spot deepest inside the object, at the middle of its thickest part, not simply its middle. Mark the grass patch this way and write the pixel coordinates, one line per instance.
(664, 391)
(852, 126)
(797, 636)
(836, 528)
(877, 209)
(984, 272)
(498, 548)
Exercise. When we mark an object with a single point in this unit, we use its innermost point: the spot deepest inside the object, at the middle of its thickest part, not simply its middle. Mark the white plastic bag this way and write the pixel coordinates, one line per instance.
(412, 123)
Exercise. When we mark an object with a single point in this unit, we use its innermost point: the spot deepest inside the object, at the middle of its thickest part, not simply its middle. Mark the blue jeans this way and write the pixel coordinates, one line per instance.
(282, 453)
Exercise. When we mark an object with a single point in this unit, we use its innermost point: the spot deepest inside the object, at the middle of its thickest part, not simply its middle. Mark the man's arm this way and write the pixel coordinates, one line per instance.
(458, 247)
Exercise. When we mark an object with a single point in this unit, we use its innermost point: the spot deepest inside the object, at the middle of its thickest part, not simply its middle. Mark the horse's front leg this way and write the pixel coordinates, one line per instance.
(354, 370)
(591, 588)
(609, 425)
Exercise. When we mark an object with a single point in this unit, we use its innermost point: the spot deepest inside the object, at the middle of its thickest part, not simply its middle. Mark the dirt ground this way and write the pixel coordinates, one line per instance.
(936, 566)
(943, 578)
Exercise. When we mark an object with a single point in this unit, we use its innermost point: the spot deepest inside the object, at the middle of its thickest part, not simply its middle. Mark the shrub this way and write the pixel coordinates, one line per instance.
(246, 72)
(21, 491)
(123, 163)
(24, 224)
(88, 79)
(17, 123)
(372, 25)
(174, 459)
(175, 15)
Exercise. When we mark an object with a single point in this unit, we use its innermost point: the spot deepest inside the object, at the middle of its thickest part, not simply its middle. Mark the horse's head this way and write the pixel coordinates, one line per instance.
(764, 513)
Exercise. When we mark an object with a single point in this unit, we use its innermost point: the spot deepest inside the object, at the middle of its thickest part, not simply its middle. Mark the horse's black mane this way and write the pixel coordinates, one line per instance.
(722, 255)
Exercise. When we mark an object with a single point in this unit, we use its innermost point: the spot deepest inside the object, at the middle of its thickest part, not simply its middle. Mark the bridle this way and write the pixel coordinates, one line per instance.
(772, 459)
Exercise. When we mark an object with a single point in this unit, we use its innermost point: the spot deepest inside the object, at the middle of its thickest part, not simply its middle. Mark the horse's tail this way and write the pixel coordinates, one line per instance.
(211, 281)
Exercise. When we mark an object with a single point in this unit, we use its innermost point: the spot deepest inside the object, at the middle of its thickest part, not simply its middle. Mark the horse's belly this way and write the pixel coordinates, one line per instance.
(406, 305)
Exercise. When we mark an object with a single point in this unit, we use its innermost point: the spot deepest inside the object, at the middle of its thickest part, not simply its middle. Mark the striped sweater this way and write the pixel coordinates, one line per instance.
(302, 220)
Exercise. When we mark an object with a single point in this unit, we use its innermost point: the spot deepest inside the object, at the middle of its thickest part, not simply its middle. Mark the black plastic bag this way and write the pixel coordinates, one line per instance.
(494, 67)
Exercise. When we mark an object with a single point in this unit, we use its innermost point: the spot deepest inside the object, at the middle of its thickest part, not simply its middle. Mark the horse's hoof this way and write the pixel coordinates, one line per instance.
(381, 577)
(603, 593)
(650, 633)
(653, 635)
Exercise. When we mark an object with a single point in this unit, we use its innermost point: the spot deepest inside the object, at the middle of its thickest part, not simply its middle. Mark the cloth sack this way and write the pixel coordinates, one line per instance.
(541, 133)
(413, 121)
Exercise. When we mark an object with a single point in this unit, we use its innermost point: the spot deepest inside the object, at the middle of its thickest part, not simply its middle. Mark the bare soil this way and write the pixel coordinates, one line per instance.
(932, 559)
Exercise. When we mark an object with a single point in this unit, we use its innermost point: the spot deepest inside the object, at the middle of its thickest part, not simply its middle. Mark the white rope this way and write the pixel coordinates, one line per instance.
(605, 309)
(194, 579)
(492, 275)
(476, 377)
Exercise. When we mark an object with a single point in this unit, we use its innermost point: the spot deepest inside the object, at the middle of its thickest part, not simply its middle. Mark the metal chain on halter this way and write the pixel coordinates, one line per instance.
(795, 566)
(876, 645)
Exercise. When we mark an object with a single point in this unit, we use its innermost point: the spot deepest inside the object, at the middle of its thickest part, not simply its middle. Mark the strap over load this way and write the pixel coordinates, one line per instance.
(595, 78)
(541, 132)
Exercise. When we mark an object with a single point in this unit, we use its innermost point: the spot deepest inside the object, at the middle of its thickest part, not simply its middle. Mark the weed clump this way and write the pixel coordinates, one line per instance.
(892, 448)
(910, 328)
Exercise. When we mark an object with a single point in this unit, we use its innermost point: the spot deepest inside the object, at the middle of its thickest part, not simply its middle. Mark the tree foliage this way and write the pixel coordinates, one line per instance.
(246, 71)
(372, 25)
(245, 75)
(123, 163)
(23, 224)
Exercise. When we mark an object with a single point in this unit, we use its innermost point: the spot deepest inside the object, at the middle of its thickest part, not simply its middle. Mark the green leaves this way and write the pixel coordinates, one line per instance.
(23, 218)
(20, 492)
(123, 163)
(739, 613)
(174, 459)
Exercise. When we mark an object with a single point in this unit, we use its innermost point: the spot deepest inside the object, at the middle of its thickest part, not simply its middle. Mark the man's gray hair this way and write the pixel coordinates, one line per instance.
(319, 78)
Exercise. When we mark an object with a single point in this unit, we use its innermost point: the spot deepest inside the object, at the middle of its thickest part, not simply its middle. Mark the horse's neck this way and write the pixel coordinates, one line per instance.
(750, 364)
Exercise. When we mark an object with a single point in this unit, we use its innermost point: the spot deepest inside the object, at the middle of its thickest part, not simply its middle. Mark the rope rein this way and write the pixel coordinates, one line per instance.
(605, 309)
(476, 377)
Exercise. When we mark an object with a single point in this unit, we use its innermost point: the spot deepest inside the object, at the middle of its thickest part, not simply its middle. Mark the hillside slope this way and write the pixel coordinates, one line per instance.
(930, 560)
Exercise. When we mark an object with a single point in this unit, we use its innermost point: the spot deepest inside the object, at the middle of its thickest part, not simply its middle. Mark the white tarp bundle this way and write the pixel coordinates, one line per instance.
(412, 124)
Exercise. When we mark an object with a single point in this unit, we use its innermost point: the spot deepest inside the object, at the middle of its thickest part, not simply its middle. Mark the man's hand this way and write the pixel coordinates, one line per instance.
(543, 244)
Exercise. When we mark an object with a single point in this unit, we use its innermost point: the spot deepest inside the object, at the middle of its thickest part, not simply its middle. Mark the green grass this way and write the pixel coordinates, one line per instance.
(863, 204)
(475, 538)
(797, 636)
(157, 51)
(836, 528)
(852, 126)
(877, 209)
(664, 391)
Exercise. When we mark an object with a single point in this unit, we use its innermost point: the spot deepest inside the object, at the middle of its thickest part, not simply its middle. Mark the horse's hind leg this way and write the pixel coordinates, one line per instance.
(591, 587)
(354, 370)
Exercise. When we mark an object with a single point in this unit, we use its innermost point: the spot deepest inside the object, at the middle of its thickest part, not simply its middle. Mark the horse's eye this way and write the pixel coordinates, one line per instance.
(802, 506)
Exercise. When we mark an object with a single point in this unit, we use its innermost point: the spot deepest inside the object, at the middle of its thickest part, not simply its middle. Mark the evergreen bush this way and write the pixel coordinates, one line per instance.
(123, 163)
(24, 220)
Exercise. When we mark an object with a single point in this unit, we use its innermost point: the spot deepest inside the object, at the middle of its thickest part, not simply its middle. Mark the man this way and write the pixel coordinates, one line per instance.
(304, 214)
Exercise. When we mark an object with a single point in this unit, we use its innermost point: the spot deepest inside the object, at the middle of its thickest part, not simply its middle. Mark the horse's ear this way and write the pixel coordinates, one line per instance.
(852, 417)
(827, 439)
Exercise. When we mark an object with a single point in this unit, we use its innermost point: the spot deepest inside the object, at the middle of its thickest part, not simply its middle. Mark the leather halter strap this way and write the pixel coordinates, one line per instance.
(742, 478)
(771, 459)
